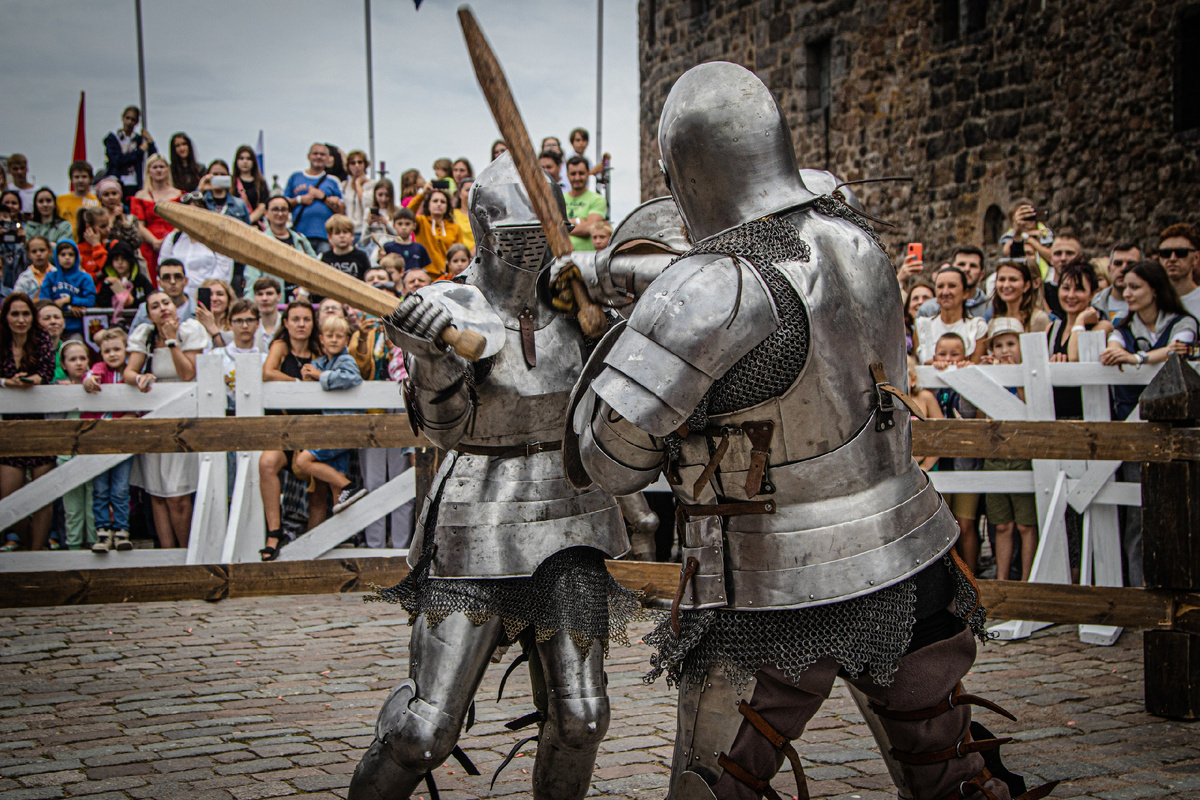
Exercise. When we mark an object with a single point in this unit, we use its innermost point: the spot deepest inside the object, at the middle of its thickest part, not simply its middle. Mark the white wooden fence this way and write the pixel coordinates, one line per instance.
(1089, 487)
(222, 532)
(226, 533)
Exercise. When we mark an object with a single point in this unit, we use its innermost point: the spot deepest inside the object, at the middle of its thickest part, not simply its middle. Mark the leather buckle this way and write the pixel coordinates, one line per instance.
(884, 407)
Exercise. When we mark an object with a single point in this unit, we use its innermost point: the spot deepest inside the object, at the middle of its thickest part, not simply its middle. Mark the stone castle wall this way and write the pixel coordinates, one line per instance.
(1071, 105)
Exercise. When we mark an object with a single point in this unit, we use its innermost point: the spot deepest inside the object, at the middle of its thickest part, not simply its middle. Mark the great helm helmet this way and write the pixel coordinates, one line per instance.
(726, 150)
(503, 220)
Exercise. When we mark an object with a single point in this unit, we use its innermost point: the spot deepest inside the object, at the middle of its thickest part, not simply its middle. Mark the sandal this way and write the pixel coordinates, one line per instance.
(271, 551)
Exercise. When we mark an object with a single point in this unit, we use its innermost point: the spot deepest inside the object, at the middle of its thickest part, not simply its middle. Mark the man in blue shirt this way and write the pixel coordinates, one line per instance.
(314, 196)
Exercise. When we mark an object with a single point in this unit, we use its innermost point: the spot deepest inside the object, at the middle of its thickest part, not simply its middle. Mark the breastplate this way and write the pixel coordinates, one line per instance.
(519, 404)
(851, 512)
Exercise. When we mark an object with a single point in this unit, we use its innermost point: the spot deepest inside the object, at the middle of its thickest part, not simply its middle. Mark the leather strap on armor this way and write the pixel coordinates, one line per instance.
(508, 450)
(760, 435)
(525, 320)
(736, 771)
(960, 750)
(956, 698)
(977, 787)
(780, 743)
(728, 509)
(711, 467)
(685, 576)
(884, 392)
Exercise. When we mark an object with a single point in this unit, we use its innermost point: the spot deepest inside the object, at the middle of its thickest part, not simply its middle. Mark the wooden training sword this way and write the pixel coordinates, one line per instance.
(512, 130)
(247, 245)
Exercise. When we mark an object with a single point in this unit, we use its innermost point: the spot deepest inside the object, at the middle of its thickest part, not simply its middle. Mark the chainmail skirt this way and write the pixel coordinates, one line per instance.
(866, 634)
(571, 591)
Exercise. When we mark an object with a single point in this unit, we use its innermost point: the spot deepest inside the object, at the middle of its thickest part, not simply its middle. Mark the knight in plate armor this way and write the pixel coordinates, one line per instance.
(505, 549)
(755, 373)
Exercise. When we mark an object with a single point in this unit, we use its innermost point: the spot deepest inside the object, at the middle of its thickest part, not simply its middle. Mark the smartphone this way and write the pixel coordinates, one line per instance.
(375, 212)
(916, 251)
(222, 181)
(26, 379)
(441, 183)
(1017, 250)
(204, 296)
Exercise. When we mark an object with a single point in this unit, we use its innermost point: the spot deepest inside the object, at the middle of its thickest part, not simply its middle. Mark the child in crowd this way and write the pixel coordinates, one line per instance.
(414, 279)
(393, 263)
(458, 258)
(110, 489)
(951, 351)
(267, 293)
(68, 205)
(404, 222)
(95, 227)
(77, 503)
(344, 256)
(334, 371)
(1004, 510)
(122, 283)
(928, 403)
(30, 281)
(69, 288)
(601, 233)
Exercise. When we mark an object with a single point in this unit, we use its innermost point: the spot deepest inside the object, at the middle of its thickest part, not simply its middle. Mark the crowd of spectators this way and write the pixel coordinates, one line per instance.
(98, 289)
(966, 311)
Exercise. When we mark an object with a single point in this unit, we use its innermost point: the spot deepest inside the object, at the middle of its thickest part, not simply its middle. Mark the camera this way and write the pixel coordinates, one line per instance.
(9, 231)
(441, 183)
(222, 181)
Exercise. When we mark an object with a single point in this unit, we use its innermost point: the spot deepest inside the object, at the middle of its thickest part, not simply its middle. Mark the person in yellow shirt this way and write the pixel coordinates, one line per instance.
(80, 195)
(436, 229)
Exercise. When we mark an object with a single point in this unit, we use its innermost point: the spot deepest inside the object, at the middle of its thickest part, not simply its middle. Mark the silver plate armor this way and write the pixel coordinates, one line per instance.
(502, 515)
(805, 298)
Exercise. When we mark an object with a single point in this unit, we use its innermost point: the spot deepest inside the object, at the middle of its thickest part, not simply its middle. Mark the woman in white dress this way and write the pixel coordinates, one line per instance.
(170, 479)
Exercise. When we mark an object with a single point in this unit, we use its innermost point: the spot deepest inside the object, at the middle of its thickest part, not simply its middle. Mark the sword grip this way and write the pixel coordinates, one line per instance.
(467, 344)
(590, 317)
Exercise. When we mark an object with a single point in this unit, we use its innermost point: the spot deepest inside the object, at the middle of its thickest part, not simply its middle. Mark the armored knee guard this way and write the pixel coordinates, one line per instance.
(708, 724)
(411, 739)
(576, 722)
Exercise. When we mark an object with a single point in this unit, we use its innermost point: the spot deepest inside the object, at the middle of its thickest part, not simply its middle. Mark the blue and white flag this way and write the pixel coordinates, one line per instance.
(258, 150)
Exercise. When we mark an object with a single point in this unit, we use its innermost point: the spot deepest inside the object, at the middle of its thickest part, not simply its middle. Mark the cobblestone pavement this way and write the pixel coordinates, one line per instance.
(277, 696)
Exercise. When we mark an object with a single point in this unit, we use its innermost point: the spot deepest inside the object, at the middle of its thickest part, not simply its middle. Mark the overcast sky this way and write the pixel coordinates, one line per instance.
(222, 69)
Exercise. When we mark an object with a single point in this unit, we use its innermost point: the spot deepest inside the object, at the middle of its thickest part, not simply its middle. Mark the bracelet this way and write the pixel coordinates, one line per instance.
(3, 383)
(1078, 328)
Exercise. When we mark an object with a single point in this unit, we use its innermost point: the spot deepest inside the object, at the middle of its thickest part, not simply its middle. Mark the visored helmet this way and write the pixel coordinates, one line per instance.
(503, 220)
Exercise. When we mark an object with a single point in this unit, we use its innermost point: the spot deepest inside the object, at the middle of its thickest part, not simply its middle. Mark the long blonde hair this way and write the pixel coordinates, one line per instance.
(146, 170)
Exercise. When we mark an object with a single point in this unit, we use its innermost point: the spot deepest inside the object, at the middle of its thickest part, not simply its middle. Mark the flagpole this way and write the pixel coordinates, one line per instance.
(599, 76)
(370, 88)
(137, 4)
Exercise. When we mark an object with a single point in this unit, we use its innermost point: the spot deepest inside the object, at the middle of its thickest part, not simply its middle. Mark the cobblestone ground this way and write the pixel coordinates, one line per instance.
(273, 697)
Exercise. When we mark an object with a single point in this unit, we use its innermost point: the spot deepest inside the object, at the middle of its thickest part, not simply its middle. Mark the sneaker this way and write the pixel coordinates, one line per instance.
(104, 541)
(121, 541)
(11, 546)
(348, 497)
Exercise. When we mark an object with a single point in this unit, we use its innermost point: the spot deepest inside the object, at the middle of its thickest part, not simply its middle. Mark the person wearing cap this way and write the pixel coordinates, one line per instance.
(121, 283)
(1009, 510)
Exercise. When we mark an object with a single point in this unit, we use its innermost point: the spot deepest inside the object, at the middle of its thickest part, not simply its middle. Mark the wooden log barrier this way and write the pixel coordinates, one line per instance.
(1111, 441)
(1171, 551)
(1161, 611)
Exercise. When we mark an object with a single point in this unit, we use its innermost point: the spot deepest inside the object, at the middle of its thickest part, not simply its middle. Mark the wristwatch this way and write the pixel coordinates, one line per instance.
(171, 343)
(1141, 358)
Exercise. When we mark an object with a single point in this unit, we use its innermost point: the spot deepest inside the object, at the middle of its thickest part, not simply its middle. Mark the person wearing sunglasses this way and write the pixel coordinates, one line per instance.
(172, 279)
(1177, 254)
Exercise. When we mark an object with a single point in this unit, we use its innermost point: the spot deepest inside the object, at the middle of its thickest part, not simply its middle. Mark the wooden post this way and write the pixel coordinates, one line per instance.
(1170, 515)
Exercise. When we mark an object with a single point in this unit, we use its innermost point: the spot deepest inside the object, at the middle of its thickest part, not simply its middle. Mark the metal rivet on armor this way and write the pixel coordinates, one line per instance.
(428, 754)
(720, 597)
(680, 302)
(812, 597)
(872, 583)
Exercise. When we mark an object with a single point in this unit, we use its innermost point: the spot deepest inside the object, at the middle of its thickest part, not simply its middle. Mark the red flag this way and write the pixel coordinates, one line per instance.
(80, 136)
